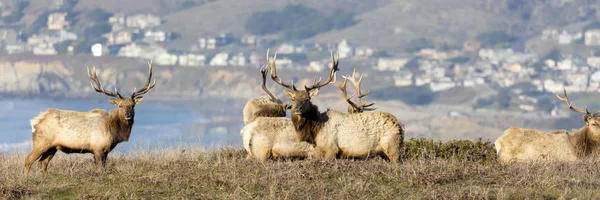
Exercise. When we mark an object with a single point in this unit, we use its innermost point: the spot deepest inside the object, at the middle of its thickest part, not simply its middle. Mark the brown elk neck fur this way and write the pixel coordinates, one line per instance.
(584, 143)
(308, 124)
(119, 127)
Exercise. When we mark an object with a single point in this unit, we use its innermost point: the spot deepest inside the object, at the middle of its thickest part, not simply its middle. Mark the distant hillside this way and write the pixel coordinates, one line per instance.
(382, 24)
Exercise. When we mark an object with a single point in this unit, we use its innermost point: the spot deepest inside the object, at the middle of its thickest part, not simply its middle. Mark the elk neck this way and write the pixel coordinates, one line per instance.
(309, 124)
(119, 127)
(584, 143)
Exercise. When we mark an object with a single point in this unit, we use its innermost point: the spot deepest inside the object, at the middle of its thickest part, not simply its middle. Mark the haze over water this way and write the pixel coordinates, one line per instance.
(156, 126)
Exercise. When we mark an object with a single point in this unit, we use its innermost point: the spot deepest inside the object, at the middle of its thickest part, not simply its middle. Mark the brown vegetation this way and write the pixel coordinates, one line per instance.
(225, 174)
(95, 131)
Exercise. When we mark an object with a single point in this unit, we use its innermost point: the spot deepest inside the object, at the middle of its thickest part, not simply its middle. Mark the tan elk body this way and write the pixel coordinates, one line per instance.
(267, 133)
(335, 134)
(518, 144)
(95, 131)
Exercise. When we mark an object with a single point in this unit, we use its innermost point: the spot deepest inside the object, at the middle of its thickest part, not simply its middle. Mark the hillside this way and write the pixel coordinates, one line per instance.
(383, 24)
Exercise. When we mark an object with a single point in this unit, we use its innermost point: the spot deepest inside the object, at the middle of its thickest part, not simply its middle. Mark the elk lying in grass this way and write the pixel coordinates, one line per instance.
(266, 105)
(517, 144)
(95, 131)
(273, 137)
(267, 133)
(336, 134)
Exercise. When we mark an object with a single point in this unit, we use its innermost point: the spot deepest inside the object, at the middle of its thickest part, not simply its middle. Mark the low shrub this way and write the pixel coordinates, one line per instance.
(461, 150)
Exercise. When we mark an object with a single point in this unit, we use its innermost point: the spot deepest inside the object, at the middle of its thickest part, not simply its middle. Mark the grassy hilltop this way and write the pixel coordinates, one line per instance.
(431, 170)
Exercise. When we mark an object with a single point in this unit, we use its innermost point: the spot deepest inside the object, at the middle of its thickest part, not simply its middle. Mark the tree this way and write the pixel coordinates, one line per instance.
(62, 47)
(495, 38)
(413, 66)
(98, 15)
(415, 95)
(297, 22)
(553, 54)
(97, 30)
(39, 23)
(545, 104)
(503, 98)
(17, 14)
(418, 44)
(84, 46)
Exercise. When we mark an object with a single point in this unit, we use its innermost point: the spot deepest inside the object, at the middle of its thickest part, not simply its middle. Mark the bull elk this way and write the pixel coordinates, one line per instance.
(266, 105)
(519, 144)
(267, 133)
(95, 131)
(333, 133)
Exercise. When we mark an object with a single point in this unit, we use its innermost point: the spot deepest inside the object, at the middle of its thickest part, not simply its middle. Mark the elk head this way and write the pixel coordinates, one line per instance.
(125, 105)
(301, 98)
(592, 122)
(354, 107)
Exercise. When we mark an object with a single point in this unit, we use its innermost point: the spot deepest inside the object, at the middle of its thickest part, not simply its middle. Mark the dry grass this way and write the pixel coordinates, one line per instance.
(225, 174)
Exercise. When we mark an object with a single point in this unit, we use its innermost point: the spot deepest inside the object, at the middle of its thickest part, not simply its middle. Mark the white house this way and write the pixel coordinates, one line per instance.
(315, 66)
(441, 86)
(142, 21)
(144, 51)
(592, 37)
(44, 49)
(156, 36)
(220, 59)
(192, 60)
(345, 49)
(593, 61)
(286, 48)
(553, 86)
(391, 64)
(238, 60)
(165, 59)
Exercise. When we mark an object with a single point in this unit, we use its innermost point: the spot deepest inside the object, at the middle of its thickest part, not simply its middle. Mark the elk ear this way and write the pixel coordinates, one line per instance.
(113, 101)
(313, 93)
(288, 94)
(138, 100)
(586, 118)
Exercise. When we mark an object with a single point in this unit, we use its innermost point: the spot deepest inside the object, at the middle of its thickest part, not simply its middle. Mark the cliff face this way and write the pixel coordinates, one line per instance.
(66, 77)
(58, 78)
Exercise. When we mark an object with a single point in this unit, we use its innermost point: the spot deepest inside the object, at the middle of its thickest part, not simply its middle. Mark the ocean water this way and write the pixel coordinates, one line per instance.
(156, 125)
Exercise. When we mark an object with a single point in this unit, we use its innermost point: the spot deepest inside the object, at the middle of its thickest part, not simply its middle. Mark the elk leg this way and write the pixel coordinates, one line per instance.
(46, 157)
(100, 158)
(330, 154)
(391, 149)
(317, 153)
(327, 154)
(262, 154)
(104, 157)
(32, 157)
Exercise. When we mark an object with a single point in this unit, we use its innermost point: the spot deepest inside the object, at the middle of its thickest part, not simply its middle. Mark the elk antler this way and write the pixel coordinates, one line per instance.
(263, 71)
(99, 87)
(148, 86)
(271, 64)
(361, 106)
(334, 68)
(570, 104)
(353, 107)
